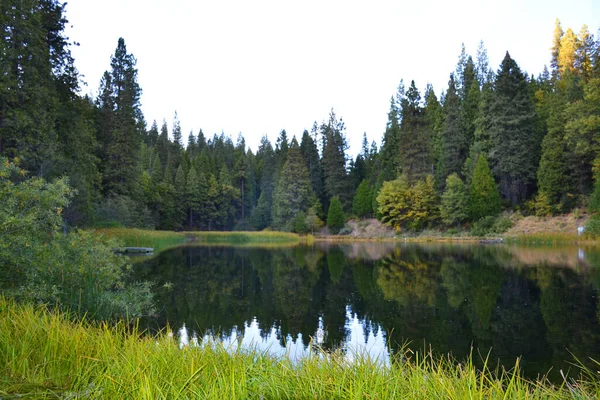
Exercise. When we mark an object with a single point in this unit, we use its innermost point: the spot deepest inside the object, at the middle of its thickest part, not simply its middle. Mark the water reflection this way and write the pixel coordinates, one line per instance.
(538, 304)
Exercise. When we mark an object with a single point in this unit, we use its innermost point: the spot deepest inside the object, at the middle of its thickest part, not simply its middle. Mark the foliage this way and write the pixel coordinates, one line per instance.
(393, 202)
(511, 115)
(454, 207)
(592, 227)
(484, 199)
(77, 271)
(491, 225)
(335, 216)
(300, 225)
(293, 191)
(313, 222)
(362, 205)
(400, 204)
(122, 211)
(346, 230)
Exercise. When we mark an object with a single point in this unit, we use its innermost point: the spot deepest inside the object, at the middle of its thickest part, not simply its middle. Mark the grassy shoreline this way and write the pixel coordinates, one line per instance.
(162, 240)
(48, 355)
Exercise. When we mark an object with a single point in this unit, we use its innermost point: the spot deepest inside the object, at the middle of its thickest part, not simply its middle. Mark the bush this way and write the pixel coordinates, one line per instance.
(335, 216)
(78, 271)
(491, 225)
(123, 211)
(592, 227)
(300, 226)
(346, 230)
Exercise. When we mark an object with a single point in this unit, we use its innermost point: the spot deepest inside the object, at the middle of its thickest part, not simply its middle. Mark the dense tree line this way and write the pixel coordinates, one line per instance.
(492, 140)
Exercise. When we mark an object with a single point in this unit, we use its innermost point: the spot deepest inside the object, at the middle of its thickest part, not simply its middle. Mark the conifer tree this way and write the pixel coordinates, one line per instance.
(454, 207)
(119, 173)
(484, 198)
(293, 193)
(362, 205)
(556, 40)
(454, 143)
(514, 143)
(193, 196)
(553, 172)
(179, 199)
(334, 159)
(415, 139)
(390, 147)
(309, 151)
(335, 216)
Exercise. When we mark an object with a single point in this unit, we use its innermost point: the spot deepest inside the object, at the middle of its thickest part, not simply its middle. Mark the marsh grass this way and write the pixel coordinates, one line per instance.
(159, 240)
(556, 238)
(52, 355)
(244, 237)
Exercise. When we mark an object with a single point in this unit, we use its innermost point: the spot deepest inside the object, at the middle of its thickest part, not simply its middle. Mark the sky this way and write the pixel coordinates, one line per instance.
(258, 67)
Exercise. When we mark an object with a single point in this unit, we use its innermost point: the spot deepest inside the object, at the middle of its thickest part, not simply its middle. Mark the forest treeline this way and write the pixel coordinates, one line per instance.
(493, 139)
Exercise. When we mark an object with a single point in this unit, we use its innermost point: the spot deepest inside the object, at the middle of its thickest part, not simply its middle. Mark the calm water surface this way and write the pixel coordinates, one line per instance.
(540, 304)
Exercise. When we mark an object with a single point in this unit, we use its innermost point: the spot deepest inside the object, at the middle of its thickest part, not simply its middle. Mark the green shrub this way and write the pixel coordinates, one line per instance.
(592, 227)
(491, 225)
(346, 230)
(483, 226)
(78, 271)
(335, 216)
(300, 225)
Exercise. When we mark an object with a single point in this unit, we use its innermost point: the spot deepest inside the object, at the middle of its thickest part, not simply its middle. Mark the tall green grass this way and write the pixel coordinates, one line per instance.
(49, 355)
(556, 238)
(159, 240)
(263, 237)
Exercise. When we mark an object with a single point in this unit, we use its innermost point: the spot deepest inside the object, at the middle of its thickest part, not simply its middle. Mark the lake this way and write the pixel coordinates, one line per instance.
(539, 304)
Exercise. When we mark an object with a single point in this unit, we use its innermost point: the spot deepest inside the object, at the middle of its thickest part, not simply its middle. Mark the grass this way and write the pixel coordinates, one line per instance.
(159, 240)
(553, 238)
(263, 237)
(50, 355)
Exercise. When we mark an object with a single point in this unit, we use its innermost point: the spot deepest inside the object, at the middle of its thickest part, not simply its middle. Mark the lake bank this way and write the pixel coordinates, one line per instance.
(162, 240)
(47, 354)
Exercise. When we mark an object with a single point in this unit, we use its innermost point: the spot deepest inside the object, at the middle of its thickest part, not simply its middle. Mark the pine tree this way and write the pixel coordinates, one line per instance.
(434, 115)
(119, 173)
(569, 48)
(514, 143)
(179, 197)
(163, 144)
(415, 139)
(454, 143)
(362, 205)
(335, 216)
(454, 207)
(390, 146)
(195, 195)
(553, 172)
(556, 40)
(309, 151)
(152, 136)
(334, 159)
(484, 198)
(293, 192)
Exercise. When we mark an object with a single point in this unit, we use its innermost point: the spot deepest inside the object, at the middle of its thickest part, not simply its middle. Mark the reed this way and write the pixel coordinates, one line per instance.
(46, 354)
(244, 237)
(159, 240)
(555, 238)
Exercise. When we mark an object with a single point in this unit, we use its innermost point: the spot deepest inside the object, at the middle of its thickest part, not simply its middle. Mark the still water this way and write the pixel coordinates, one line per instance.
(539, 304)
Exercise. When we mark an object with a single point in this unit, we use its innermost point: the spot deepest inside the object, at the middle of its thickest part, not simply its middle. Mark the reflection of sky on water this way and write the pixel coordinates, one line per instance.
(356, 344)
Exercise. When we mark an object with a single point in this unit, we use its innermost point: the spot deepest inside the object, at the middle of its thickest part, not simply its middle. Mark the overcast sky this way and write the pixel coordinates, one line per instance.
(257, 67)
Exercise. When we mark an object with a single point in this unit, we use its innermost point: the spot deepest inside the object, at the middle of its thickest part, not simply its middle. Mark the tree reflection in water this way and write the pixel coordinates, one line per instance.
(376, 297)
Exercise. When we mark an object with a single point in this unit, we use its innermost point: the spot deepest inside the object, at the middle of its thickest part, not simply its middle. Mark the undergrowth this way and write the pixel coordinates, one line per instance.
(52, 355)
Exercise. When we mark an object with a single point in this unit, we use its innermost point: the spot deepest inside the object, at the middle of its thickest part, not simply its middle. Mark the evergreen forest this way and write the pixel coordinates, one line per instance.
(496, 138)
